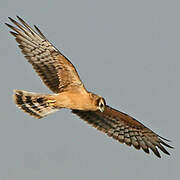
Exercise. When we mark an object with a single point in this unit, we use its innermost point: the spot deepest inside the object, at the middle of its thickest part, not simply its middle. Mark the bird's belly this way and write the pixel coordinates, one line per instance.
(73, 101)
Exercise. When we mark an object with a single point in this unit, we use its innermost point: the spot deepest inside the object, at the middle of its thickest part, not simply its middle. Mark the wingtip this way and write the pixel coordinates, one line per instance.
(11, 19)
(10, 26)
(165, 139)
(13, 33)
(19, 18)
(38, 30)
(6, 24)
(167, 145)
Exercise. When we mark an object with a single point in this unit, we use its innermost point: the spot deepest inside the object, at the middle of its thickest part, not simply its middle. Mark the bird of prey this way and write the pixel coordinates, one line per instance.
(61, 77)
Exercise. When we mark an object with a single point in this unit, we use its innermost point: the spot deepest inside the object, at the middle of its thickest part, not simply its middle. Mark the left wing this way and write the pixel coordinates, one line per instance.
(56, 71)
(125, 129)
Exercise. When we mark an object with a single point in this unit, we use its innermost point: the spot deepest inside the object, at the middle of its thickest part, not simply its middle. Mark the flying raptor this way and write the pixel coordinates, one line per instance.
(60, 76)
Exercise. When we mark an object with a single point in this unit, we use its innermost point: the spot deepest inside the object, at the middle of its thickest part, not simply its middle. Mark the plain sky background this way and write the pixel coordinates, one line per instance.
(127, 51)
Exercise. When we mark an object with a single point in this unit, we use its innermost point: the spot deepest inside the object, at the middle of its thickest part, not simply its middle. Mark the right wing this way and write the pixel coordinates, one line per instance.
(54, 68)
(125, 129)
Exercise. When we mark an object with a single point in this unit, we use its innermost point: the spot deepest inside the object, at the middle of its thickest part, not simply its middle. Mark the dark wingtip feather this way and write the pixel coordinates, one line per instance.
(26, 25)
(163, 149)
(20, 19)
(12, 20)
(146, 150)
(165, 144)
(156, 152)
(38, 30)
(9, 18)
(13, 33)
(23, 22)
(164, 138)
(10, 26)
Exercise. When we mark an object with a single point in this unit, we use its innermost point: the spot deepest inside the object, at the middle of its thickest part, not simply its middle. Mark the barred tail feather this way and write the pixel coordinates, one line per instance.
(37, 105)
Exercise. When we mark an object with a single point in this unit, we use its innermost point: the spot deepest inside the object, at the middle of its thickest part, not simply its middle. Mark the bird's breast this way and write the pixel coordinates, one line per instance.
(74, 100)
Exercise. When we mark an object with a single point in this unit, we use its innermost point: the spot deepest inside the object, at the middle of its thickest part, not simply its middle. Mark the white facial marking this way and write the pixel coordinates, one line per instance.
(101, 105)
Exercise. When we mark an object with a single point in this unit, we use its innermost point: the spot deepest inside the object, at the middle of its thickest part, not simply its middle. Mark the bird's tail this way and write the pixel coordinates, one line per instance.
(37, 105)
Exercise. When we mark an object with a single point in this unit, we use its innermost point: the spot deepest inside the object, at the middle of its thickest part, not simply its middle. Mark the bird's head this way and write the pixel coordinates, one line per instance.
(99, 102)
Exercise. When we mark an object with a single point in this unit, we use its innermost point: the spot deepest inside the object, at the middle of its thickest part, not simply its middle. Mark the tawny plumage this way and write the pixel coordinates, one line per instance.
(58, 73)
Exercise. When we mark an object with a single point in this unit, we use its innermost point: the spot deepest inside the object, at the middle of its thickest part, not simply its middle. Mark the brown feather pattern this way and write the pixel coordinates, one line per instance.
(55, 69)
(124, 128)
(59, 74)
(34, 104)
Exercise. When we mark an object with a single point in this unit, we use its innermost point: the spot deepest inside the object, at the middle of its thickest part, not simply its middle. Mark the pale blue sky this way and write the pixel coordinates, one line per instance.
(128, 52)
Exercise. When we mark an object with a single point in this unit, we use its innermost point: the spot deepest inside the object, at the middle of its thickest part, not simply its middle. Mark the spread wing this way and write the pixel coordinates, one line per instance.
(125, 129)
(54, 68)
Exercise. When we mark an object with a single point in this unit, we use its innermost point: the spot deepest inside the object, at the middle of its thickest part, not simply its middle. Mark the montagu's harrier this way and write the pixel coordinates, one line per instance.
(58, 73)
